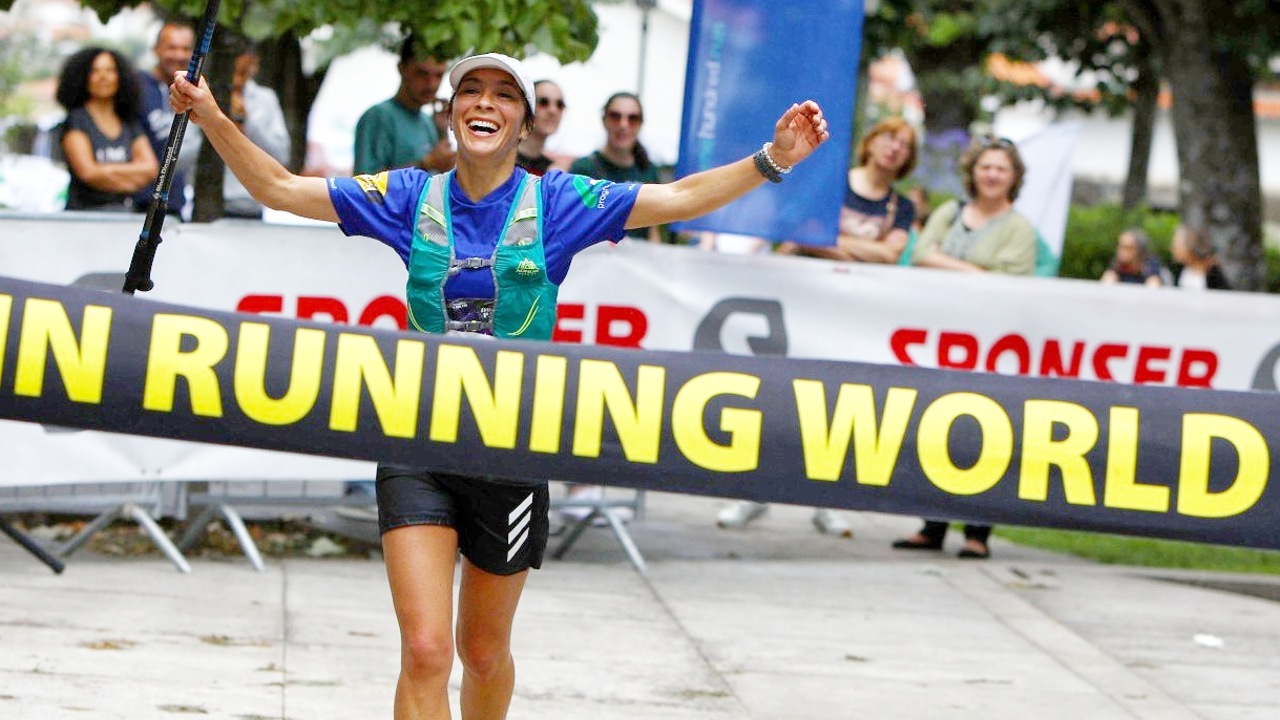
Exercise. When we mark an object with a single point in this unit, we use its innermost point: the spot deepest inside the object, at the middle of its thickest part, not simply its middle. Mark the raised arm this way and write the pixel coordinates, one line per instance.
(799, 132)
(262, 175)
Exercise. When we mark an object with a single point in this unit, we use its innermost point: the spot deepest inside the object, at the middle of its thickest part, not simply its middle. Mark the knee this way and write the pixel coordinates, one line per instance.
(427, 654)
(484, 657)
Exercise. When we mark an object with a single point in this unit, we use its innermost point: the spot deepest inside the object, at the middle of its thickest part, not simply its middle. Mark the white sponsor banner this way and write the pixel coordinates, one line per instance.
(643, 296)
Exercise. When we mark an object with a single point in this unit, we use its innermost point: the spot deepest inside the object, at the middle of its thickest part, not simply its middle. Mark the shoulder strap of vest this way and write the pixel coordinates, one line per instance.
(524, 225)
(436, 209)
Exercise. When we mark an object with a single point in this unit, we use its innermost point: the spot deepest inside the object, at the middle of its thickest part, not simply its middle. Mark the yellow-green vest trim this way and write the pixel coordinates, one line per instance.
(524, 303)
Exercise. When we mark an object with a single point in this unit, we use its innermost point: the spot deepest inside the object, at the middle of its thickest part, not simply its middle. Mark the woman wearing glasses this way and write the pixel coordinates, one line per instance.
(983, 234)
(547, 114)
(623, 158)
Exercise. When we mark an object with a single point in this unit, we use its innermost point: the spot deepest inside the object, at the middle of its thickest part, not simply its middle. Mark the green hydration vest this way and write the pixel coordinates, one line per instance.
(524, 302)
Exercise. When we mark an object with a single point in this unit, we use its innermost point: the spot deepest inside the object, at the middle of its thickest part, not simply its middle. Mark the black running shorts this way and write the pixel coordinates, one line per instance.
(501, 524)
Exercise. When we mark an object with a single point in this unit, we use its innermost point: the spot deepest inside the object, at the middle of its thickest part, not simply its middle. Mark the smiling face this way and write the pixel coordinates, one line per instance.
(549, 110)
(622, 120)
(104, 77)
(174, 47)
(488, 115)
(993, 174)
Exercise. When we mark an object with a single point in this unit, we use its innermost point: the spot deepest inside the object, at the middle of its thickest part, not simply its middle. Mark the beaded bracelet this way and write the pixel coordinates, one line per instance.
(765, 167)
(768, 156)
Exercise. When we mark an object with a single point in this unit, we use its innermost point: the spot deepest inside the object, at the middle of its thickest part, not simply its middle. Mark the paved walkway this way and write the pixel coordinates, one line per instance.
(773, 621)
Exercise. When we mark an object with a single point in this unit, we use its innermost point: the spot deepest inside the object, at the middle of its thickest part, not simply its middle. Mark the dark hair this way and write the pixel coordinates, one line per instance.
(638, 152)
(176, 24)
(413, 49)
(889, 126)
(73, 83)
(981, 144)
(409, 48)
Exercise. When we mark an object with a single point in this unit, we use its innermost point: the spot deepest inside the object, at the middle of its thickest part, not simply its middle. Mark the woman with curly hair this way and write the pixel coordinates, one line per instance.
(107, 151)
(984, 234)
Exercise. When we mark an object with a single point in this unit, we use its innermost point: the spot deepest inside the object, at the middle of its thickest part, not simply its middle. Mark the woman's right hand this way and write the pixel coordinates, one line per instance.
(198, 101)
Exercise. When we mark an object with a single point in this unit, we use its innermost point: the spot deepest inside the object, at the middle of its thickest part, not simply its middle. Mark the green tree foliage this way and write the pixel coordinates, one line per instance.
(564, 29)
(1210, 53)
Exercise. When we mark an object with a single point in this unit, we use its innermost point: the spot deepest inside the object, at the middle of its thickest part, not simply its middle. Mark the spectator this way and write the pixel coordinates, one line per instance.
(623, 158)
(440, 223)
(983, 235)
(106, 149)
(875, 220)
(1134, 262)
(256, 111)
(174, 45)
(1198, 260)
(546, 120)
(396, 133)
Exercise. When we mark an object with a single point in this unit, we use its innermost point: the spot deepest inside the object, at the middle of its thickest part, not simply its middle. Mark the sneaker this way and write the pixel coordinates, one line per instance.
(828, 523)
(740, 513)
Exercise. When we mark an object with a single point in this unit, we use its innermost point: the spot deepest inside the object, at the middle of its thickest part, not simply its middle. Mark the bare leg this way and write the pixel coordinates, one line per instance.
(486, 611)
(420, 564)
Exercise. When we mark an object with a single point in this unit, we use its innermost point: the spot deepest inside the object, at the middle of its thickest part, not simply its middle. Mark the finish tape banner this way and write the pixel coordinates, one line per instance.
(1157, 461)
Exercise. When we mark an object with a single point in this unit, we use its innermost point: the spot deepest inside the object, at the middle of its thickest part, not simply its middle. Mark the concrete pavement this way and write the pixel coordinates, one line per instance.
(771, 621)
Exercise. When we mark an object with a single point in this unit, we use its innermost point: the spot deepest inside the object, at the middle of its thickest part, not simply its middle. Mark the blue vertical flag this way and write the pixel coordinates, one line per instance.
(748, 61)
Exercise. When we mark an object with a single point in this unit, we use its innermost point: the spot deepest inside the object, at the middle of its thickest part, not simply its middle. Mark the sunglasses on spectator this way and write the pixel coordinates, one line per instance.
(991, 141)
(548, 102)
(615, 116)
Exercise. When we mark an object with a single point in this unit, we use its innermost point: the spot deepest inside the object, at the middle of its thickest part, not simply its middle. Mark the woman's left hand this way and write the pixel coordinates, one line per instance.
(799, 132)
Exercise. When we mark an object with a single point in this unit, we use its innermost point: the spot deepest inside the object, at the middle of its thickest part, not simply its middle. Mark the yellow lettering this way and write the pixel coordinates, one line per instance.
(639, 423)
(742, 453)
(496, 408)
(82, 363)
(6, 308)
(876, 444)
(166, 361)
(1040, 450)
(995, 452)
(1198, 432)
(1122, 489)
(548, 403)
(252, 351)
(360, 364)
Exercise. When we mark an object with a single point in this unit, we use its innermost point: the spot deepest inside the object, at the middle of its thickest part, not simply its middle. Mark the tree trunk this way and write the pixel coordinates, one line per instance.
(1146, 94)
(1213, 122)
(282, 72)
(218, 69)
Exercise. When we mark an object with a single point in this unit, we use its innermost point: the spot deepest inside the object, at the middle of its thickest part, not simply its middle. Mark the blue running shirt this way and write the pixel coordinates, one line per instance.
(578, 212)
